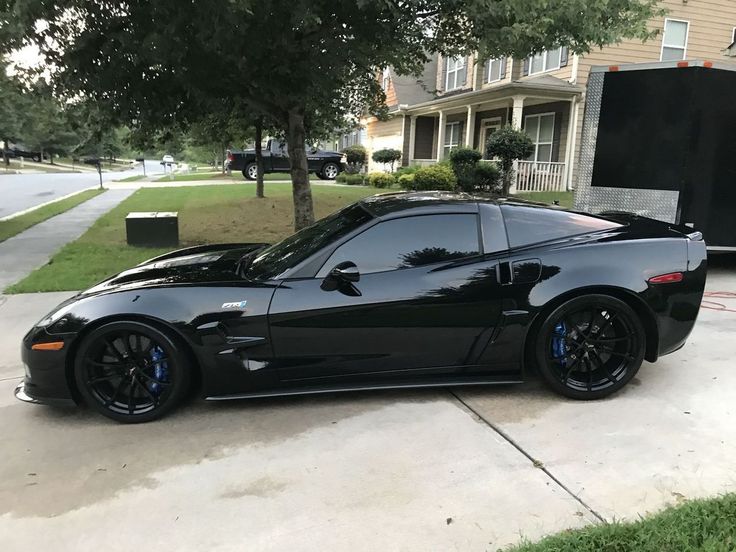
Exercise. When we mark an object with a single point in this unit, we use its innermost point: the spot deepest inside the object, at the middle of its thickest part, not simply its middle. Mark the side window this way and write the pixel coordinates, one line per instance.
(529, 225)
(409, 242)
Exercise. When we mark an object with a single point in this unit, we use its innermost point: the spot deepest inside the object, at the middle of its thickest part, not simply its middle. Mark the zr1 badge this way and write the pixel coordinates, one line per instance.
(235, 305)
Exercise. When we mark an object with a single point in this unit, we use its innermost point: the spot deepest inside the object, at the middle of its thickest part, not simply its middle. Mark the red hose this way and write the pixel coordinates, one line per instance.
(717, 295)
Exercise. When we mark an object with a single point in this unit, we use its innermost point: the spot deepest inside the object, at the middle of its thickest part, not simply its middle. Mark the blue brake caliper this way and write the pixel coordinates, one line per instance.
(558, 342)
(160, 369)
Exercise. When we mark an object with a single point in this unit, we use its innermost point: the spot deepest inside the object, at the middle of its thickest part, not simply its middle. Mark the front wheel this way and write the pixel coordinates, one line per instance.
(251, 171)
(330, 171)
(131, 372)
(590, 347)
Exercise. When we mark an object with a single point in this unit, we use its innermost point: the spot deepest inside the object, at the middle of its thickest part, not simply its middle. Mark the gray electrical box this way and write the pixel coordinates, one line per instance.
(152, 229)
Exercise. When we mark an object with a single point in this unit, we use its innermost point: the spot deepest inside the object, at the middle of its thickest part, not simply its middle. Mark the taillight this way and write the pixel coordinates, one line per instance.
(229, 156)
(670, 278)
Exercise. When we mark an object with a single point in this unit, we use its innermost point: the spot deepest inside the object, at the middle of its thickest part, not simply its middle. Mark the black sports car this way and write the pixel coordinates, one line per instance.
(397, 290)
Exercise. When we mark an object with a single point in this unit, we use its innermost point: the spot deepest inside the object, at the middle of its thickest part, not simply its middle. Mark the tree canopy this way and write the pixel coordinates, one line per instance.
(305, 64)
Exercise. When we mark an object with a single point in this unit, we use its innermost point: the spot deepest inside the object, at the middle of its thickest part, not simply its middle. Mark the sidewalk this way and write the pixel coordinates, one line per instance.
(28, 250)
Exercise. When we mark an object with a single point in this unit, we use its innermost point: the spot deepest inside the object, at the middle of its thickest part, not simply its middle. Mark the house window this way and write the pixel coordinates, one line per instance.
(674, 41)
(540, 128)
(386, 80)
(452, 137)
(493, 70)
(547, 60)
(455, 73)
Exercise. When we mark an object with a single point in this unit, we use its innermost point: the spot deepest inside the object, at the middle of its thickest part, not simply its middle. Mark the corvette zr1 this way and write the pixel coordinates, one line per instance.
(397, 290)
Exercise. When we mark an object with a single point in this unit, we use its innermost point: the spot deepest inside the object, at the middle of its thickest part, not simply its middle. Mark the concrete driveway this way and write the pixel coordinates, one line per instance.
(471, 469)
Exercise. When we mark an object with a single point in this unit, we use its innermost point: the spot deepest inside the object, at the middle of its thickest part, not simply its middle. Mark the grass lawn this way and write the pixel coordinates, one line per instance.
(707, 525)
(133, 178)
(565, 198)
(217, 175)
(207, 214)
(9, 228)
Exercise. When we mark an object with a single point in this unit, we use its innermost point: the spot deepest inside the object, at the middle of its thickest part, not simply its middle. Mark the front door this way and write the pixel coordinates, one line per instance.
(426, 303)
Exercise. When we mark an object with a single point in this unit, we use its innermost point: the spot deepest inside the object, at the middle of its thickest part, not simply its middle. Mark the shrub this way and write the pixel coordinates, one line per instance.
(463, 162)
(355, 179)
(411, 169)
(357, 156)
(381, 180)
(406, 180)
(435, 177)
(487, 177)
(509, 144)
(342, 177)
(387, 156)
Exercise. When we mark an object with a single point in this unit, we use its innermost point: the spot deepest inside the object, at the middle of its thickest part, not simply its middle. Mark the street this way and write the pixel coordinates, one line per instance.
(23, 191)
(462, 469)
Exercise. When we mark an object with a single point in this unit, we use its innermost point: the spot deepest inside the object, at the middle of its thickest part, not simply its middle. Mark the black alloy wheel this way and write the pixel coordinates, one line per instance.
(131, 372)
(590, 347)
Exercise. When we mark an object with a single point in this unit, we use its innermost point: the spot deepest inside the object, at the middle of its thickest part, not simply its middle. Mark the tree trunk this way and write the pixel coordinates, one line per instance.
(6, 158)
(259, 158)
(301, 190)
(40, 156)
(224, 156)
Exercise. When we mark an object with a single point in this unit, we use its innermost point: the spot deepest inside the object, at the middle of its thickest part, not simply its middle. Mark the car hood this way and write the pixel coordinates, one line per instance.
(194, 265)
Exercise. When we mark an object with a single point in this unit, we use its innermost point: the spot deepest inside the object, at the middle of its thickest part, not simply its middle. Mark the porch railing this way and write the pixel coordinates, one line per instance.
(537, 176)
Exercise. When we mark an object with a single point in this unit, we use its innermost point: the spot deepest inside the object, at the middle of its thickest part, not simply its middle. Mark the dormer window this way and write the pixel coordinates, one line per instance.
(455, 73)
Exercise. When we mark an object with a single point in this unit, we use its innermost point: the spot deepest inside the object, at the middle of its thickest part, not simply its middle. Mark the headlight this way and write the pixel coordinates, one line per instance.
(57, 313)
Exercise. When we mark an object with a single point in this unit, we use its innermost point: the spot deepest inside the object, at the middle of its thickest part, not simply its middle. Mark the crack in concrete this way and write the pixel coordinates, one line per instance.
(535, 462)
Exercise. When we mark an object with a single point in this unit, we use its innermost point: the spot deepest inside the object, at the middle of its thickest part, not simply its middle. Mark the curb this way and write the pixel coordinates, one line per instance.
(31, 209)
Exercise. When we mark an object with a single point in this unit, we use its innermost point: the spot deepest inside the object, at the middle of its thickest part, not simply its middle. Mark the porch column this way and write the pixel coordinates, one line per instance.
(570, 149)
(470, 126)
(517, 111)
(440, 136)
(412, 136)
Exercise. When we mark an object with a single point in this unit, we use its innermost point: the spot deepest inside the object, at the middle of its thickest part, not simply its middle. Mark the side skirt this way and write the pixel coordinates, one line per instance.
(366, 387)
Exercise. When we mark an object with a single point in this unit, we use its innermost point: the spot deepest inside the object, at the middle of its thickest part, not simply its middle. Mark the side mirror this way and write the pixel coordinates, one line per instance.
(342, 277)
(346, 272)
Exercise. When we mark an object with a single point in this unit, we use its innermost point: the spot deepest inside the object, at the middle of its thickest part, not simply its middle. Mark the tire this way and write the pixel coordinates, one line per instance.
(320, 176)
(151, 365)
(590, 347)
(250, 172)
(36, 158)
(329, 171)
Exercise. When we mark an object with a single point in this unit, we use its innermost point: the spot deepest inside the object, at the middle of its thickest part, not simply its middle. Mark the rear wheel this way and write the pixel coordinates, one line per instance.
(131, 372)
(251, 171)
(590, 347)
(330, 171)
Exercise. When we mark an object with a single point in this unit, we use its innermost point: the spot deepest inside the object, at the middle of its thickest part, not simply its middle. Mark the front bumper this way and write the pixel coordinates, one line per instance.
(24, 392)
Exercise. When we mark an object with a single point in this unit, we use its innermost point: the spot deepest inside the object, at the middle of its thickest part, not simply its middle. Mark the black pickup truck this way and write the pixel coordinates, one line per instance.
(325, 164)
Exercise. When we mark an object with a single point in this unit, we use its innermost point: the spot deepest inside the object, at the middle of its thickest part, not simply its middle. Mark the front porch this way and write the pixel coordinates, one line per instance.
(545, 107)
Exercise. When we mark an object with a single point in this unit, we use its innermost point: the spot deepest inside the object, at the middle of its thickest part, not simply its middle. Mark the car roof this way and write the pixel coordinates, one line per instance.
(382, 205)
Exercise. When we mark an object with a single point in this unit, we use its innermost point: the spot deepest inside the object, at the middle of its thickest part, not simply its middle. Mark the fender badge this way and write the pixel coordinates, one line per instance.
(236, 305)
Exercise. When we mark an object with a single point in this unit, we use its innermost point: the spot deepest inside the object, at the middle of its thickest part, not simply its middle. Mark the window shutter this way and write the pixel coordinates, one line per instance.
(525, 70)
(503, 67)
(563, 56)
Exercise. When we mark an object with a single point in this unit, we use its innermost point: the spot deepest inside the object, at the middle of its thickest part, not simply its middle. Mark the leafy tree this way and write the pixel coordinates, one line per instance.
(463, 161)
(509, 144)
(387, 156)
(46, 128)
(12, 107)
(303, 63)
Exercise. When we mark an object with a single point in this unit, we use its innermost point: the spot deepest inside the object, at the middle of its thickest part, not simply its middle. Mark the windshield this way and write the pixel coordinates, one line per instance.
(288, 253)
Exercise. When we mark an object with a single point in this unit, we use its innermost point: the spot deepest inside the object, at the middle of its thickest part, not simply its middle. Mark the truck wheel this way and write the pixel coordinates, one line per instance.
(330, 171)
(251, 171)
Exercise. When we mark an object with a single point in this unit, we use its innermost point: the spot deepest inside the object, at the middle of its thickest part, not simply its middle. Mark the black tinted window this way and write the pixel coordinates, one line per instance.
(409, 242)
(528, 225)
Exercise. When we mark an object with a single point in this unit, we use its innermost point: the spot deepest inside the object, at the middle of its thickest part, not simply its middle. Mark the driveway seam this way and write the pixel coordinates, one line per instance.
(536, 463)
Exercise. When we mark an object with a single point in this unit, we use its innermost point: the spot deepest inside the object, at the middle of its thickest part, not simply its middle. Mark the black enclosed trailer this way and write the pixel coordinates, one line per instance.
(659, 139)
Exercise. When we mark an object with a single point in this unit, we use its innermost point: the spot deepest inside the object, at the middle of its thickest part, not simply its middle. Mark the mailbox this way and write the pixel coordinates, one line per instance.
(152, 229)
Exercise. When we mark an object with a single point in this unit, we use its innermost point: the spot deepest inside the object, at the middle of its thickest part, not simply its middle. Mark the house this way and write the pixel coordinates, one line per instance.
(461, 101)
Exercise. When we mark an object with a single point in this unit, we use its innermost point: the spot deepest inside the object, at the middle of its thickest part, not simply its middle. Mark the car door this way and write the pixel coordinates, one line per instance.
(426, 303)
(279, 156)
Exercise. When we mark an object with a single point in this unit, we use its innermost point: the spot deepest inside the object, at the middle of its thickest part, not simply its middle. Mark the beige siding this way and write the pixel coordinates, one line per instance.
(383, 134)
